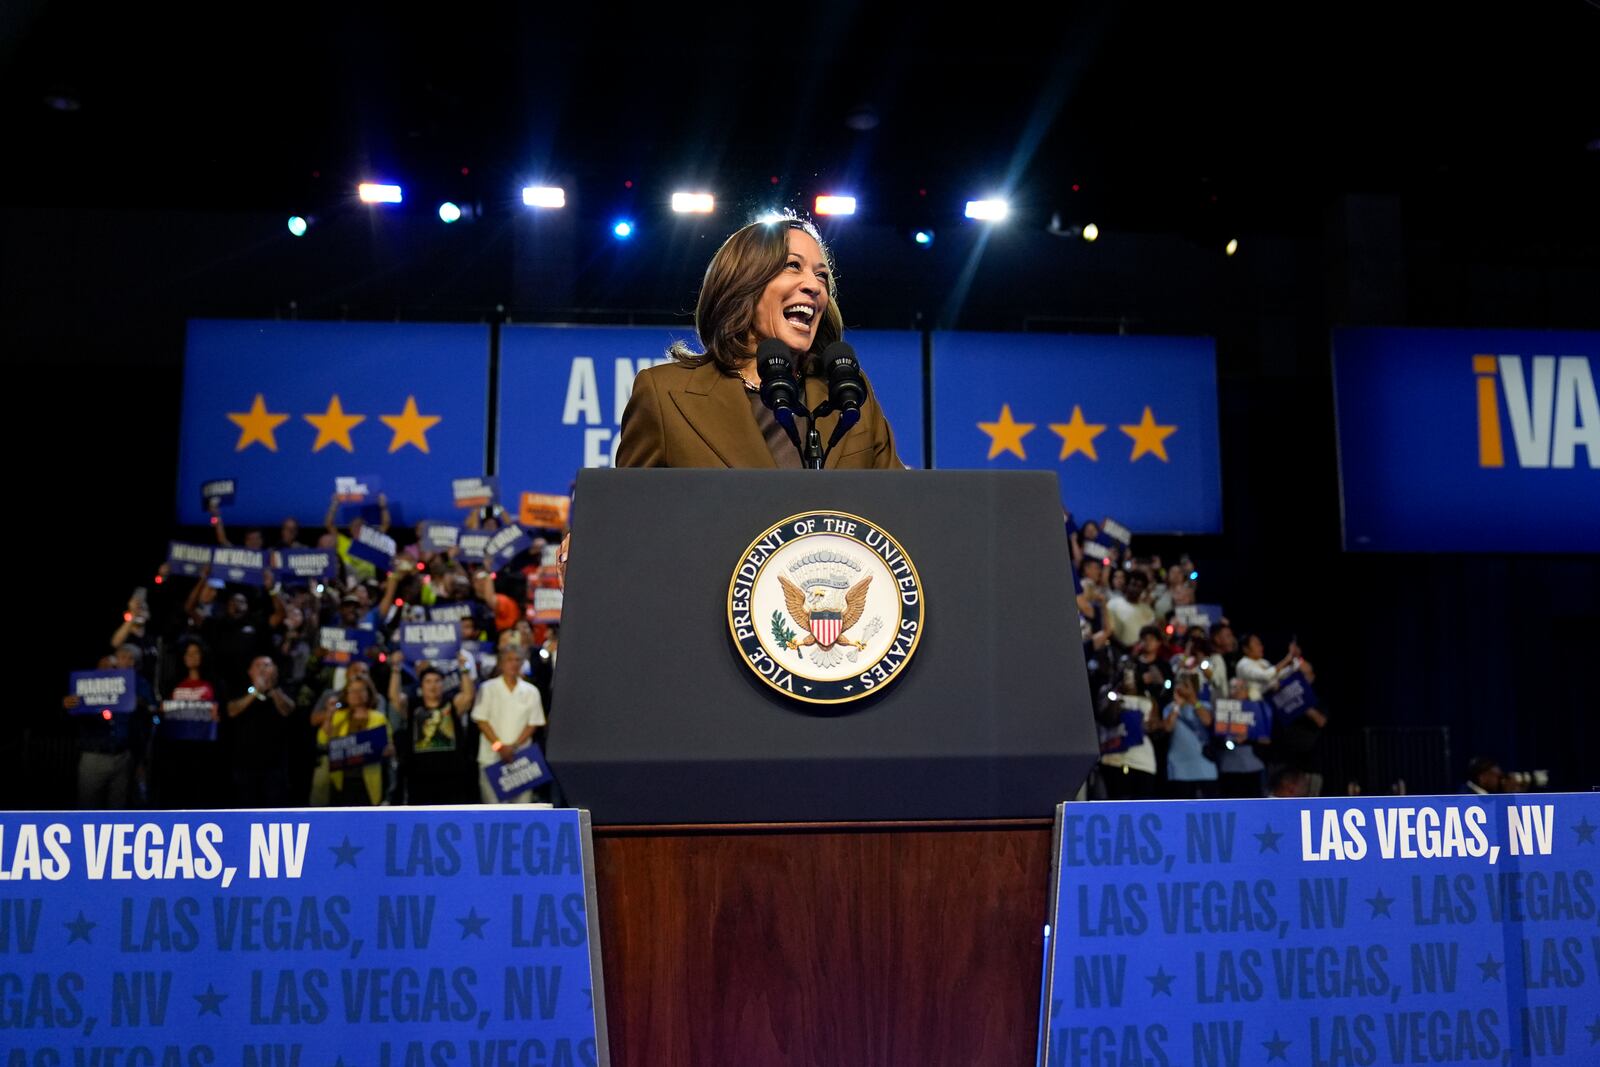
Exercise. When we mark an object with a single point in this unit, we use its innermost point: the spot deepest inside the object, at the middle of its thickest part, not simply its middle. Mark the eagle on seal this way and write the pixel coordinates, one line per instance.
(825, 612)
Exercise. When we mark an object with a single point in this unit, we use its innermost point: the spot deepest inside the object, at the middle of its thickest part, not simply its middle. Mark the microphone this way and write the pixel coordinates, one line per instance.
(780, 389)
(847, 391)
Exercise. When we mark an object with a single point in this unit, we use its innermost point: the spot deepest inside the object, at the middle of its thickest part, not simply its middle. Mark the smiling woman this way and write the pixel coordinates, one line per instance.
(770, 280)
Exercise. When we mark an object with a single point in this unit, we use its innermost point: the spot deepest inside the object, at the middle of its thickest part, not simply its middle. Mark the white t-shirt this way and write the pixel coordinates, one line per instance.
(1127, 619)
(1258, 674)
(508, 712)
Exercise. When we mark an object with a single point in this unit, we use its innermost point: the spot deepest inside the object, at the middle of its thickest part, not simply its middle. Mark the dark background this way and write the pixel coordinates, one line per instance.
(1431, 165)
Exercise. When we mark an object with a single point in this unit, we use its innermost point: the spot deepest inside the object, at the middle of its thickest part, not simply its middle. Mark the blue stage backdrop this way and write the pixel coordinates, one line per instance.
(1129, 423)
(401, 936)
(284, 408)
(1397, 930)
(1468, 440)
(563, 390)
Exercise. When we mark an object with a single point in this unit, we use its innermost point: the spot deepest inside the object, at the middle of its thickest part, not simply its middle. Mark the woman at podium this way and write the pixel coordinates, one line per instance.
(704, 409)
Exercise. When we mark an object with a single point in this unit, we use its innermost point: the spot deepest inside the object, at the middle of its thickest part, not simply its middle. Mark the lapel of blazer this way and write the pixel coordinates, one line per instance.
(716, 407)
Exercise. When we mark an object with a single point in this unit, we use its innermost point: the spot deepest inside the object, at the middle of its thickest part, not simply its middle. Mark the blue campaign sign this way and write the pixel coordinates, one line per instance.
(1128, 423)
(319, 564)
(562, 391)
(1292, 696)
(357, 488)
(1207, 615)
(99, 691)
(475, 492)
(294, 405)
(1331, 933)
(374, 546)
(1443, 434)
(187, 560)
(1117, 532)
(451, 611)
(472, 543)
(343, 645)
(243, 565)
(188, 720)
(439, 536)
(1129, 731)
(506, 544)
(217, 492)
(357, 749)
(436, 642)
(1241, 721)
(402, 936)
(523, 773)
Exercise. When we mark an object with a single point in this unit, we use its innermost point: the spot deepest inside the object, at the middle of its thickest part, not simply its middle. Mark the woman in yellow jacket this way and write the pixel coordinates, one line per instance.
(355, 711)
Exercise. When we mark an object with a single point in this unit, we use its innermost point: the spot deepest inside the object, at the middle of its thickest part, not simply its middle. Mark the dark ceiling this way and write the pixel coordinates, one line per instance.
(1161, 114)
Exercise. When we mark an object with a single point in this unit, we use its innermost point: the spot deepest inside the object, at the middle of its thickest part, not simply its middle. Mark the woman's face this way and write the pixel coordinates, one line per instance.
(792, 305)
(358, 697)
(191, 657)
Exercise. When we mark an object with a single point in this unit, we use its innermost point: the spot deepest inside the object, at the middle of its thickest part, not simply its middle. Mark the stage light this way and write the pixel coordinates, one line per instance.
(373, 193)
(298, 225)
(449, 212)
(769, 217)
(988, 210)
(923, 237)
(1232, 246)
(544, 196)
(1091, 232)
(836, 205)
(622, 229)
(693, 203)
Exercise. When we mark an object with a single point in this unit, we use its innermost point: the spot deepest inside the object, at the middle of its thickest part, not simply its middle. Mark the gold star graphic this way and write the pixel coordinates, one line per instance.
(1077, 435)
(1006, 435)
(409, 427)
(1148, 436)
(257, 425)
(334, 426)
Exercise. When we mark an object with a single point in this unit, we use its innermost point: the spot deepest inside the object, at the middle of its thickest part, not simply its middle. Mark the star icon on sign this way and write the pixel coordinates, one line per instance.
(1077, 435)
(79, 928)
(1269, 839)
(334, 426)
(1006, 435)
(1277, 1048)
(1380, 905)
(1594, 1031)
(1160, 982)
(345, 852)
(410, 427)
(211, 1001)
(1490, 967)
(472, 925)
(1148, 436)
(1585, 831)
(257, 426)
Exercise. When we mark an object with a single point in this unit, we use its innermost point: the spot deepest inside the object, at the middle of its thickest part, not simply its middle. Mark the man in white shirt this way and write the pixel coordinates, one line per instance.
(507, 713)
(1128, 612)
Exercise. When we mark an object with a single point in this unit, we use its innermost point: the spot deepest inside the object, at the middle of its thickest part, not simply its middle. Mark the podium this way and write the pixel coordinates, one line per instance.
(788, 882)
(661, 720)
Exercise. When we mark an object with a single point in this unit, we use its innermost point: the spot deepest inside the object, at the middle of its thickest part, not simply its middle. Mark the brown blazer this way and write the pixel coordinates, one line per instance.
(699, 417)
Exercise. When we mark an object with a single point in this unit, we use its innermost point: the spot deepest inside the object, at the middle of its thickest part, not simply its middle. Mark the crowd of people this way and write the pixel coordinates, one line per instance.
(240, 699)
(1160, 670)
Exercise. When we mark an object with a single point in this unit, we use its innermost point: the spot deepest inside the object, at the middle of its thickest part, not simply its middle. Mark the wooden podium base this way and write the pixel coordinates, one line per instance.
(837, 944)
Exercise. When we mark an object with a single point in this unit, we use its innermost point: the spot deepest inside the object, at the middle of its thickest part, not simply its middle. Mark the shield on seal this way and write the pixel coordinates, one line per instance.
(825, 627)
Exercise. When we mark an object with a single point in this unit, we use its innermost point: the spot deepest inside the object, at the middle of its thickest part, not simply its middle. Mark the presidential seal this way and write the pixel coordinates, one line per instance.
(825, 607)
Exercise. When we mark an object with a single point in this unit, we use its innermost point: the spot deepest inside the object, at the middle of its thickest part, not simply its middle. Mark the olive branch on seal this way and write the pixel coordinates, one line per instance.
(780, 630)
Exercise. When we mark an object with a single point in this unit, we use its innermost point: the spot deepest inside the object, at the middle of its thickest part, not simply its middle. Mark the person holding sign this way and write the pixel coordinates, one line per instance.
(355, 712)
(356, 565)
(432, 745)
(769, 280)
(1191, 773)
(508, 711)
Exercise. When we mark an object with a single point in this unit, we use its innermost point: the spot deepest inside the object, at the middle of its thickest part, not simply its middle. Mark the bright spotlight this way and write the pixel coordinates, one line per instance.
(544, 196)
(622, 229)
(373, 193)
(1232, 246)
(1091, 232)
(988, 210)
(836, 205)
(768, 217)
(693, 203)
(449, 212)
(298, 225)
(923, 237)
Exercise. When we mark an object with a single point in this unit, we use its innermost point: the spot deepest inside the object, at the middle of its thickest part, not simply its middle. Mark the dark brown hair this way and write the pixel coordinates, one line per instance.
(738, 274)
